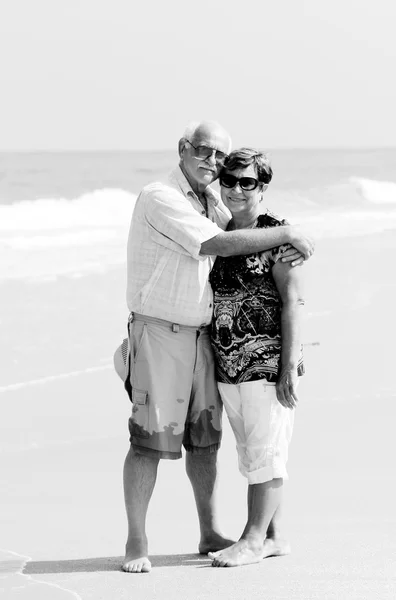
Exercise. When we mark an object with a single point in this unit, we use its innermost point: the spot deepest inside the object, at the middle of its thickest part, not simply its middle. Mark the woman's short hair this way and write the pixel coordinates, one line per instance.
(244, 157)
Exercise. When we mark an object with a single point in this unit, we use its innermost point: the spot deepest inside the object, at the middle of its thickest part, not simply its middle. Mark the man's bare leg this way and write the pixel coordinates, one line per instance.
(140, 474)
(202, 472)
(275, 544)
(263, 501)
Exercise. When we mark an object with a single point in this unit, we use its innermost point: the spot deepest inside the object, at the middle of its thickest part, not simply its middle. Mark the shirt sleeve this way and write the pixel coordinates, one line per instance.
(175, 224)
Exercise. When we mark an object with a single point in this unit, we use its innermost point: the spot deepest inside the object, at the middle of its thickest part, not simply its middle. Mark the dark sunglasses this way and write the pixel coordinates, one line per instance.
(205, 152)
(246, 183)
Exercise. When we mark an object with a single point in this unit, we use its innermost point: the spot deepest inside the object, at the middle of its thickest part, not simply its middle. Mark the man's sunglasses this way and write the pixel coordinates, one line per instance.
(204, 152)
(246, 183)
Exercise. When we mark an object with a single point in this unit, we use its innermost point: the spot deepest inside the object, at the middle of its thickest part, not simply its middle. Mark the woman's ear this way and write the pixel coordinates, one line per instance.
(263, 189)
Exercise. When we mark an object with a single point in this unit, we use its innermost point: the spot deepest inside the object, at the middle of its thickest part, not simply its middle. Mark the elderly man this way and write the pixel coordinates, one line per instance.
(176, 232)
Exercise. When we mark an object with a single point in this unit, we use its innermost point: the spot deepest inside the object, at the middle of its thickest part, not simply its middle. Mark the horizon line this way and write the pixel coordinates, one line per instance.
(122, 150)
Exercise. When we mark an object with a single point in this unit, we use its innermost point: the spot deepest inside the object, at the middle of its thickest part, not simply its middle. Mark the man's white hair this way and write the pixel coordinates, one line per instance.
(191, 129)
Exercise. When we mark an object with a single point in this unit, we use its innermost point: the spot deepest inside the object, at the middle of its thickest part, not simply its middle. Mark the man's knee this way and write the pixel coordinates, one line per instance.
(135, 457)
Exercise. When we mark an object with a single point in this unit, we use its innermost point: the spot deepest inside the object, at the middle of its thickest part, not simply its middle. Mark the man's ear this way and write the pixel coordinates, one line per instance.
(182, 145)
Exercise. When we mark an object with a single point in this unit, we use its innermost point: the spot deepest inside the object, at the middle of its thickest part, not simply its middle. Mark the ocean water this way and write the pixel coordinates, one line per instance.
(69, 213)
(64, 220)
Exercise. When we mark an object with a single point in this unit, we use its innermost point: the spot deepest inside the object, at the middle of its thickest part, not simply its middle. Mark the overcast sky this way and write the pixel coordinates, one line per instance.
(130, 74)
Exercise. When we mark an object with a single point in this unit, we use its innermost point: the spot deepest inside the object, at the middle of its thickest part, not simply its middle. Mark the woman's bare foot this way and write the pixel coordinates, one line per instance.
(241, 553)
(136, 560)
(136, 565)
(275, 547)
(213, 542)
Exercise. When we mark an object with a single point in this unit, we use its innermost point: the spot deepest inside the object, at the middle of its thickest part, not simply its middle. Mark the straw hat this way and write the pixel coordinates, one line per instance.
(120, 359)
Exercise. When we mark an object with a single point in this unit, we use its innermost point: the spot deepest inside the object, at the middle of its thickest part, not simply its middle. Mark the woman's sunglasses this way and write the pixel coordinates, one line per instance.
(246, 183)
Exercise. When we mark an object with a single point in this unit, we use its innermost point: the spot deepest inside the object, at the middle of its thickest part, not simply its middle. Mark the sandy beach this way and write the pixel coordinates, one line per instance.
(64, 438)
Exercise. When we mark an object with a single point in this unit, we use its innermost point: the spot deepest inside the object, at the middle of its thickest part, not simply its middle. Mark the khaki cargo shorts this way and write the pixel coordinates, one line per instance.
(170, 379)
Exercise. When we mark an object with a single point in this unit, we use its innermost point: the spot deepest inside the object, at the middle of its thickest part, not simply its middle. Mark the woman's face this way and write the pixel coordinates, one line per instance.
(238, 200)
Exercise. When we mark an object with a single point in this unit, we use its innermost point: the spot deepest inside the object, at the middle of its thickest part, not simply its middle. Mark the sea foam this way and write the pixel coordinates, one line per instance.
(100, 208)
(45, 238)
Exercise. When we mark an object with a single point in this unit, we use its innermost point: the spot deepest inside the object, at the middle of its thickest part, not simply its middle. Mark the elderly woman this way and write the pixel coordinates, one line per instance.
(256, 338)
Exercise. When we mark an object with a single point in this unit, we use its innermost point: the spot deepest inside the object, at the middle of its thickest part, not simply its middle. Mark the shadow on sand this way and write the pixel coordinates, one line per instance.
(112, 563)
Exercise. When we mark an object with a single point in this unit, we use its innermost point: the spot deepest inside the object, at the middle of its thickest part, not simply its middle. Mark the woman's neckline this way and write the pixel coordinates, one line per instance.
(251, 225)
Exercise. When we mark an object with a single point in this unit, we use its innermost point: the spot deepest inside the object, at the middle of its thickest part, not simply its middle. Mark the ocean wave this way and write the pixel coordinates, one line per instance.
(99, 208)
(44, 239)
(374, 191)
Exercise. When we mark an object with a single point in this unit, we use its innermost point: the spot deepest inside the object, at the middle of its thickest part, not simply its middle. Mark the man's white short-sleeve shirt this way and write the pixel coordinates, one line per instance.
(167, 277)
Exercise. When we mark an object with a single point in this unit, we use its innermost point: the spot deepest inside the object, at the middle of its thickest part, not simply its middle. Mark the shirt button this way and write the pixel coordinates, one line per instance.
(203, 212)
(210, 306)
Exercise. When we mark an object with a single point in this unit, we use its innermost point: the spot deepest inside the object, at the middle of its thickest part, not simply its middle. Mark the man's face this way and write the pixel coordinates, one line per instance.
(200, 171)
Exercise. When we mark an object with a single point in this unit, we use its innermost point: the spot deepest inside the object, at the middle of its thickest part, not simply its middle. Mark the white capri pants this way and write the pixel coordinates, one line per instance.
(262, 428)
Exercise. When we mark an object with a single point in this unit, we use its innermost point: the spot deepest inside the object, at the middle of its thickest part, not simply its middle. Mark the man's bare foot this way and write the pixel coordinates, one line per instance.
(241, 553)
(136, 565)
(213, 542)
(275, 547)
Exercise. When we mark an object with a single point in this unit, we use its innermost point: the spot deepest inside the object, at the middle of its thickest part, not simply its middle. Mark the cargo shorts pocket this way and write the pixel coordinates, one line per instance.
(138, 339)
(139, 422)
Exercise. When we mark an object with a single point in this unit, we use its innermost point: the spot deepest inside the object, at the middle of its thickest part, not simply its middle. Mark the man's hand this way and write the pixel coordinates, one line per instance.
(286, 388)
(303, 243)
(292, 256)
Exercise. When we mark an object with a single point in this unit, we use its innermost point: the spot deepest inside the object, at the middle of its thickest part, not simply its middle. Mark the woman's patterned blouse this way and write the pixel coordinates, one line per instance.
(246, 324)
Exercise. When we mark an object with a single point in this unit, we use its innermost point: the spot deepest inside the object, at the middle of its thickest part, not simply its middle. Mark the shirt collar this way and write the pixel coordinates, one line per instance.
(178, 179)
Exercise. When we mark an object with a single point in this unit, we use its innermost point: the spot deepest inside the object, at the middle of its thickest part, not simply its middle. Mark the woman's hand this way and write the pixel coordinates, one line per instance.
(286, 388)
